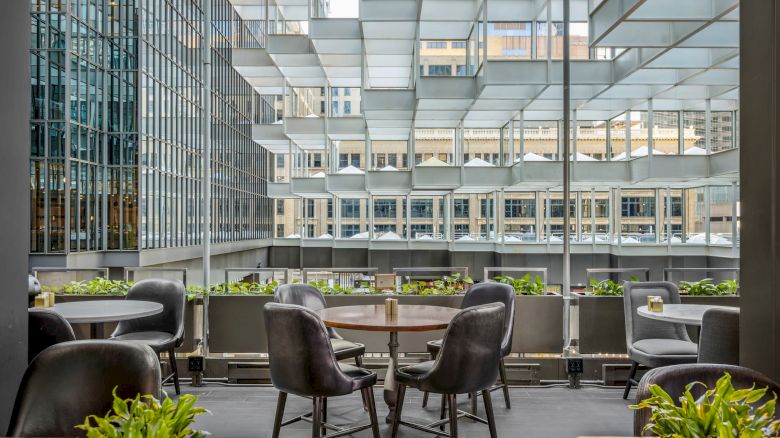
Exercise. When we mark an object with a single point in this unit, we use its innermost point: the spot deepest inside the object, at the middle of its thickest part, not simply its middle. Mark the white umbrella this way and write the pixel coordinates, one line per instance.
(318, 175)
(350, 170)
(388, 169)
(582, 157)
(630, 240)
(293, 236)
(534, 157)
(363, 235)
(425, 237)
(555, 239)
(433, 162)
(465, 238)
(478, 162)
(695, 150)
(325, 236)
(511, 239)
(389, 236)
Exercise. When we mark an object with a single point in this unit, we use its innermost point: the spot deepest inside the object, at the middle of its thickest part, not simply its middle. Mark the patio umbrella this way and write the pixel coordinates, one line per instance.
(433, 162)
(695, 150)
(388, 169)
(389, 236)
(350, 170)
(363, 235)
(318, 175)
(478, 162)
(534, 157)
(325, 236)
(582, 157)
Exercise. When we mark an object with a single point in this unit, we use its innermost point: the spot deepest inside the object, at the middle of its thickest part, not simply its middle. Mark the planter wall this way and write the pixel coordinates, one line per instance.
(603, 327)
(82, 330)
(236, 323)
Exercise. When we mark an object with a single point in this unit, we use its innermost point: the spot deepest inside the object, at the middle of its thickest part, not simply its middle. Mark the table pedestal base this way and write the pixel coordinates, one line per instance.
(389, 393)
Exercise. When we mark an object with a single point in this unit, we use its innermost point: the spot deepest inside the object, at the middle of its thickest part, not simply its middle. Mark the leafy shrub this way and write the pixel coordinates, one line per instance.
(708, 287)
(146, 417)
(234, 288)
(608, 288)
(97, 286)
(722, 412)
(523, 285)
(448, 285)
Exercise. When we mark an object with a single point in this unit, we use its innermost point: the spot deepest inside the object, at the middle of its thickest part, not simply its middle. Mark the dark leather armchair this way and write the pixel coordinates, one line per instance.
(467, 363)
(719, 337)
(46, 328)
(649, 342)
(485, 293)
(163, 331)
(69, 381)
(310, 297)
(673, 379)
(302, 363)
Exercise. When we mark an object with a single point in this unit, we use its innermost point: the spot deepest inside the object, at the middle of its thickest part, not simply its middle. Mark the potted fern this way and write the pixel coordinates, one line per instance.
(145, 416)
(722, 412)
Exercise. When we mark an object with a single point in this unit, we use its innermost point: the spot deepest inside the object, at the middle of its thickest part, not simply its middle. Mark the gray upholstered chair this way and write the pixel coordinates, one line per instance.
(673, 380)
(310, 297)
(163, 331)
(719, 337)
(302, 363)
(68, 381)
(649, 342)
(486, 293)
(467, 363)
(46, 328)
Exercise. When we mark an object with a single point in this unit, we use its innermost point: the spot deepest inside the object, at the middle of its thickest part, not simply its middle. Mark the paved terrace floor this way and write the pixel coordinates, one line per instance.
(550, 412)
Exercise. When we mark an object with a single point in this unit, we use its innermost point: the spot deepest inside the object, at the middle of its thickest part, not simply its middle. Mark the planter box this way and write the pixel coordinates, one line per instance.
(82, 330)
(236, 323)
(603, 328)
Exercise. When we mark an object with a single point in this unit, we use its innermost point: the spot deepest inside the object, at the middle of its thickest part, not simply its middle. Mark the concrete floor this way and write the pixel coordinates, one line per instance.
(552, 412)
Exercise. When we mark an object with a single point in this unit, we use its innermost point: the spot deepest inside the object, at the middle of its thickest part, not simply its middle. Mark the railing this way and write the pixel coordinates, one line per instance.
(252, 271)
(589, 273)
(428, 273)
(668, 272)
(346, 276)
(133, 270)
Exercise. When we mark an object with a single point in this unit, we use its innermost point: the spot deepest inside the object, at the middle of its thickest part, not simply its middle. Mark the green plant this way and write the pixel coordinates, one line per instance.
(96, 286)
(145, 417)
(607, 288)
(523, 285)
(234, 288)
(708, 287)
(722, 412)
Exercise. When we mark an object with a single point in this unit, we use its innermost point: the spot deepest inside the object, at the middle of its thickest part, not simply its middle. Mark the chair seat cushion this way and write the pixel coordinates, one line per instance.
(433, 347)
(361, 377)
(412, 374)
(659, 352)
(344, 349)
(159, 341)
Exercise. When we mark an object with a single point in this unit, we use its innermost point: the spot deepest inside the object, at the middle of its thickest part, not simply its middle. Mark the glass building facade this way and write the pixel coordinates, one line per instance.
(116, 124)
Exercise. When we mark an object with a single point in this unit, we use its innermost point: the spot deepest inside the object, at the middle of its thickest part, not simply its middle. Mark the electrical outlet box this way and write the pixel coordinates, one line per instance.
(196, 363)
(574, 366)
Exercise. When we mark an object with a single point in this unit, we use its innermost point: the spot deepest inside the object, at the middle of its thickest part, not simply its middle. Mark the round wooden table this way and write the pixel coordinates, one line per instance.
(688, 314)
(98, 312)
(410, 318)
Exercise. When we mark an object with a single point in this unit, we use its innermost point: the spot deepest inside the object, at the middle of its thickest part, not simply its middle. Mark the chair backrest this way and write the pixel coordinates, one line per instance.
(46, 328)
(300, 354)
(304, 295)
(470, 352)
(71, 380)
(719, 338)
(637, 327)
(486, 293)
(171, 294)
(673, 379)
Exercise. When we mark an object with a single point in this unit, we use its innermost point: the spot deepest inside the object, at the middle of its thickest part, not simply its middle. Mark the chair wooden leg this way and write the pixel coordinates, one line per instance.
(443, 412)
(489, 413)
(359, 361)
(631, 377)
(368, 395)
(502, 373)
(324, 415)
(279, 414)
(174, 368)
(452, 401)
(316, 417)
(400, 391)
(425, 399)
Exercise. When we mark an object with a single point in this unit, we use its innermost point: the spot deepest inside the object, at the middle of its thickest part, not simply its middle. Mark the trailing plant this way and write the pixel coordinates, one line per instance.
(448, 285)
(722, 412)
(607, 288)
(523, 285)
(146, 417)
(708, 287)
(96, 286)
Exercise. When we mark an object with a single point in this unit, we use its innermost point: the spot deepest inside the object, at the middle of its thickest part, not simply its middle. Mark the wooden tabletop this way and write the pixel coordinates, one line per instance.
(410, 318)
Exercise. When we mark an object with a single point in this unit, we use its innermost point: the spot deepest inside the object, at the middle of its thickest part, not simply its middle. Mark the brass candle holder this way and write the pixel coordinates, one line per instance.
(655, 303)
(391, 307)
